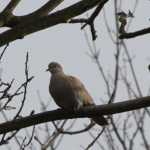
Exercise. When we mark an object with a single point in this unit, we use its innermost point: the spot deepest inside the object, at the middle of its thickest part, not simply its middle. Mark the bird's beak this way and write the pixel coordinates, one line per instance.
(47, 70)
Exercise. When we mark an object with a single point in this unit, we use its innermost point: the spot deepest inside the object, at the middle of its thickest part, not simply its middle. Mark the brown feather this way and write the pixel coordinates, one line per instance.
(69, 92)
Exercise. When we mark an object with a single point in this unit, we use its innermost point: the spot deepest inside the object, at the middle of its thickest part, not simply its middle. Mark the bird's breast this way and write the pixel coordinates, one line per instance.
(61, 92)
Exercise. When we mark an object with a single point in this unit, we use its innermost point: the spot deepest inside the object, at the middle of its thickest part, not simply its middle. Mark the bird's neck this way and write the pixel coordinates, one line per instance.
(58, 73)
(57, 76)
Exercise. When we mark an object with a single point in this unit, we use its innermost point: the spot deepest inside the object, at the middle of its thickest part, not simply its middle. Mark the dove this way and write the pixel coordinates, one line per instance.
(68, 92)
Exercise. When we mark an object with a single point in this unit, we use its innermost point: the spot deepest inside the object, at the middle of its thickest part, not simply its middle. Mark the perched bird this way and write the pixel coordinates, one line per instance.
(68, 92)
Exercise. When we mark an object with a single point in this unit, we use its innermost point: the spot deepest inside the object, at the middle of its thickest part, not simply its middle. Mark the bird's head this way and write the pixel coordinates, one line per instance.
(54, 67)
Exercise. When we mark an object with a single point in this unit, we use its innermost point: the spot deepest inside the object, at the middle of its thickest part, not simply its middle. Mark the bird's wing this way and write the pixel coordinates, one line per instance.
(80, 90)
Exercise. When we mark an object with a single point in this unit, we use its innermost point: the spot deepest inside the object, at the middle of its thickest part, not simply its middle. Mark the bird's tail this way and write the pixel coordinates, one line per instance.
(100, 121)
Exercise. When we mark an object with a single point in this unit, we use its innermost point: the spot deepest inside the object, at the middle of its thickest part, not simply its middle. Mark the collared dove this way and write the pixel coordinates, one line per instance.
(68, 92)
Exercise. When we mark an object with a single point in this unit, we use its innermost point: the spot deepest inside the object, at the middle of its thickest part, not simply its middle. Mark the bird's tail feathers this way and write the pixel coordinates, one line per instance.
(100, 121)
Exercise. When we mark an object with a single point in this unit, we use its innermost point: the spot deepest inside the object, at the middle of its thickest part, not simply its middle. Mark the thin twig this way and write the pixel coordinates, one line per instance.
(96, 138)
(1, 55)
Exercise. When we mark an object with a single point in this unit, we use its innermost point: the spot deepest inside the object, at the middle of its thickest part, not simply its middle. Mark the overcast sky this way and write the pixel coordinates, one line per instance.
(66, 44)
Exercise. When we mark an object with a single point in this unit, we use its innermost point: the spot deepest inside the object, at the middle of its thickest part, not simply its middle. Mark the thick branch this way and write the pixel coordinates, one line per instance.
(60, 114)
(46, 8)
(135, 34)
(6, 15)
(11, 6)
(33, 25)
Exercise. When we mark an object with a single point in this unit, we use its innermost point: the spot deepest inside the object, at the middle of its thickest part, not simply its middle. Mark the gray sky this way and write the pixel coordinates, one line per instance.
(67, 45)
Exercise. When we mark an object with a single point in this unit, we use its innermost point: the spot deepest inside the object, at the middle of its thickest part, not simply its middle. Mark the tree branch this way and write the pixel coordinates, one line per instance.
(11, 6)
(45, 9)
(6, 15)
(90, 111)
(26, 27)
(135, 34)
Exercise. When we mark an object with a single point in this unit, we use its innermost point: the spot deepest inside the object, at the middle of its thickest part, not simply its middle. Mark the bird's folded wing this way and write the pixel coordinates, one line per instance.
(80, 91)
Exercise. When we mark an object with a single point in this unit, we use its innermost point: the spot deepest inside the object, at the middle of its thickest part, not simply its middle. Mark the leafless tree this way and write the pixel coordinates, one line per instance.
(125, 131)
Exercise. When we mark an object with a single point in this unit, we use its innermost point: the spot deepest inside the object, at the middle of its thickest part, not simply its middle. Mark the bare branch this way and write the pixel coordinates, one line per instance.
(90, 111)
(92, 18)
(6, 15)
(95, 139)
(60, 130)
(11, 6)
(135, 34)
(25, 85)
(45, 9)
(26, 27)
(1, 55)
